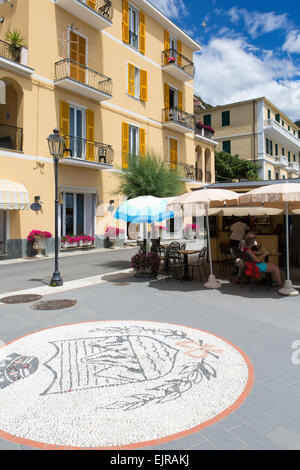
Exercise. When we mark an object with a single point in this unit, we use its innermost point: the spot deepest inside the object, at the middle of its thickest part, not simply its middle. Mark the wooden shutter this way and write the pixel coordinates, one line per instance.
(142, 142)
(167, 102)
(131, 80)
(142, 33)
(143, 85)
(167, 46)
(65, 121)
(125, 24)
(90, 135)
(180, 101)
(91, 3)
(78, 54)
(125, 144)
(173, 153)
(179, 49)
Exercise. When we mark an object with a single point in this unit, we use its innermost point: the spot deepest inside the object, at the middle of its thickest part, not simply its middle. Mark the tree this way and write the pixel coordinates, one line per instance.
(149, 175)
(233, 167)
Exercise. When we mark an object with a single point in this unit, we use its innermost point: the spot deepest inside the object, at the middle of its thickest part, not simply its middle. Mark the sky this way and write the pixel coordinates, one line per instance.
(249, 49)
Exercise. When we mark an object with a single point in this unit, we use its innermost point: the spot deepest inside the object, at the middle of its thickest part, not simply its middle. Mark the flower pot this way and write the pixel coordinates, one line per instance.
(66, 244)
(85, 243)
(39, 245)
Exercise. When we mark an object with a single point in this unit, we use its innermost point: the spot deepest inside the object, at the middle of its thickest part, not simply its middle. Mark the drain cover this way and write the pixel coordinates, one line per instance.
(57, 304)
(20, 299)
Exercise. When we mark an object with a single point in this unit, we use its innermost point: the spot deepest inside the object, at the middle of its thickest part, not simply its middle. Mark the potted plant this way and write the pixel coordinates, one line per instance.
(172, 60)
(38, 237)
(86, 240)
(146, 263)
(68, 241)
(15, 41)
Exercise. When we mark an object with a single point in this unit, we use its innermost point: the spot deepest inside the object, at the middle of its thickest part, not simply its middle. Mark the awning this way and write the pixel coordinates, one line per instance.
(13, 196)
(77, 189)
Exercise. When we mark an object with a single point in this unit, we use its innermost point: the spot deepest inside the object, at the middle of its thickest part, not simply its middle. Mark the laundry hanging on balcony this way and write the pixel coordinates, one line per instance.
(13, 196)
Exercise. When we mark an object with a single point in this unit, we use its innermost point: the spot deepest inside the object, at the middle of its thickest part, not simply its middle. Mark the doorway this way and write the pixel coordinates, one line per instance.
(78, 214)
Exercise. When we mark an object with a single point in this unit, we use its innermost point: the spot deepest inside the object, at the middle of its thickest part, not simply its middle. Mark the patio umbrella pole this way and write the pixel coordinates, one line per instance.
(212, 283)
(288, 286)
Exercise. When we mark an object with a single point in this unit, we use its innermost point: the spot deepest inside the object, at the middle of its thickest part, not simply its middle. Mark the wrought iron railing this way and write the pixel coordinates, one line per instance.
(133, 39)
(186, 171)
(103, 7)
(172, 56)
(88, 150)
(68, 68)
(6, 52)
(11, 137)
(204, 133)
(180, 117)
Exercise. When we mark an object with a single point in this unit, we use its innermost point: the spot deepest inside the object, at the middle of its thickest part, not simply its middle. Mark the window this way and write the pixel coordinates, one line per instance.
(77, 131)
(277, 117)
(276, 149)
(133, 140)
(271, 147)
(282, 151)
(294, 157)
(283, 177)
(269, 174)
(226, 118)
(133, 27)
(226, 146)
(289, 128)
(269, 114)
(282, 123)
(267, 146)
(207, 120)
(289, 156)
(137, 83)
(277, 175)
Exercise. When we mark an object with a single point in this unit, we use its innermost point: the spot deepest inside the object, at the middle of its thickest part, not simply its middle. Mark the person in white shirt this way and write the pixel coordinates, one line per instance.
(238, 232)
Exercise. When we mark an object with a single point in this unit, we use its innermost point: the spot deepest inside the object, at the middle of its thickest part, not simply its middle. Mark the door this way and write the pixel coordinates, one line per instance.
(2, 232)
(77, 127)
(69, 214)
(78, 55)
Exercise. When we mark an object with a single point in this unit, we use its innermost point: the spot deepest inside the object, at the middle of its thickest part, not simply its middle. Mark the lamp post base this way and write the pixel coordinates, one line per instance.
(212, 283)
(288, 289)
(56, 280)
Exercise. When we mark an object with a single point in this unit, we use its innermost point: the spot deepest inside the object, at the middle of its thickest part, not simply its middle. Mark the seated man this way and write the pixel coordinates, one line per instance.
(259, 259)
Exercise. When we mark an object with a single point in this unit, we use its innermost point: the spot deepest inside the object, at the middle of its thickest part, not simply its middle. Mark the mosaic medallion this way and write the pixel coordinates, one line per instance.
(118, 384)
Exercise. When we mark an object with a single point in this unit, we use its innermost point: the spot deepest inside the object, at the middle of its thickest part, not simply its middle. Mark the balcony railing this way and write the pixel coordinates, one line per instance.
(94, 152)
(186, 171)
(68, 68)
(276, 125)
(293, 167)
(6, 53)
(180, 117)
(204, 133)
(172, 56)
(281, 161)
(11, 137)
(133, 39)
(103, 7)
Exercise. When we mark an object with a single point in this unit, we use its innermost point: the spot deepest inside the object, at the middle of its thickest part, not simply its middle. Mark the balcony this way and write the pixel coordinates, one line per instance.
(86, 153)
(281, 161)
(14, 62)
(11, 137)
(282, 135)
(177, 65)
(97, 13)
(80, 79)
(178, 120)
(204, 135)
(293, 167)
(186, 171)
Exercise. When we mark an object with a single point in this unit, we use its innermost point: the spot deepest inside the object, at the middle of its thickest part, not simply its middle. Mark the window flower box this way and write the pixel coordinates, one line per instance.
(69, 242)
(86, 240)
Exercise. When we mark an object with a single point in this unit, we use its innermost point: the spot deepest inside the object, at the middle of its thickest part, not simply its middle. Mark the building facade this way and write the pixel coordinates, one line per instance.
(115, 77)
(256, 130)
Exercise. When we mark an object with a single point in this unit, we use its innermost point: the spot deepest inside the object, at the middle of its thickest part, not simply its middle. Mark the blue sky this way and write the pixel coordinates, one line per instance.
(250, 49)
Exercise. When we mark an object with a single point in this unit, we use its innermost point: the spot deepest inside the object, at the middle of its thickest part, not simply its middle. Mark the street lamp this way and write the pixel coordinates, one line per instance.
(56, 147)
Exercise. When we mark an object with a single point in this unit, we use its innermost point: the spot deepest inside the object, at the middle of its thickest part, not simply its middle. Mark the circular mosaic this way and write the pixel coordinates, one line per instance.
(117, 384)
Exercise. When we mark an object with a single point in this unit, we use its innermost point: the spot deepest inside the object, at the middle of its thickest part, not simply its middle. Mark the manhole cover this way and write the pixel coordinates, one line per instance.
(20, 299)
(122, 284)
(57, 304)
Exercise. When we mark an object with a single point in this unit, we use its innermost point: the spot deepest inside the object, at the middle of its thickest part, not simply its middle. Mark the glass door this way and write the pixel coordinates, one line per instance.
(69, 217)
(77, 127)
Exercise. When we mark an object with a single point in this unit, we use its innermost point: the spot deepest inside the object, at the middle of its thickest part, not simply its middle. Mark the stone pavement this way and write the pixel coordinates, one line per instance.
(260, 323)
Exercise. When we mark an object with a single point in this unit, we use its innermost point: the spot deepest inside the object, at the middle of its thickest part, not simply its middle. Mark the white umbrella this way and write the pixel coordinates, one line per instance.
(285, 196)
(207, 198)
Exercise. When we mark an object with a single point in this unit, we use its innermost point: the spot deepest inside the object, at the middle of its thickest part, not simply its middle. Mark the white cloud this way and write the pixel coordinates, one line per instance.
(258, 23)
(172, 8)
(292, 43)
(229, 70)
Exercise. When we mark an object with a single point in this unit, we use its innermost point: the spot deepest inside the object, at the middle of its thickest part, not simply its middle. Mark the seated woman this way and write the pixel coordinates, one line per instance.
(259, 260)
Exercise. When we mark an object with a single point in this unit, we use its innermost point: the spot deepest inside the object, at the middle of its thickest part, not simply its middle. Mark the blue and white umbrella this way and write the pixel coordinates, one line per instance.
(144, 210)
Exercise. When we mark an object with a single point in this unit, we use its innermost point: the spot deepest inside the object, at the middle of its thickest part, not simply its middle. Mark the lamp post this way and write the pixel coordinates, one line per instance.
(56, 148)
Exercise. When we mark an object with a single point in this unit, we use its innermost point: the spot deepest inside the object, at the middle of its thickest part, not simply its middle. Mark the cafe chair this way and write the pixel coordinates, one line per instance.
(227, 265)
(200, 264)
(174, 266)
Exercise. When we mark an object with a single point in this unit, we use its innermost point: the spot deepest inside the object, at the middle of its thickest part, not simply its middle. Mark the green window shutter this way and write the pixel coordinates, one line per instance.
(269, 174)
(294, 157)
(282, 153)
(271, 147)
(226, 146)
(276, 149)
(226, 118)
(277, 117)
(267, 146)
(277, 176)
(269, 114)
(207, 120)
(289, 156)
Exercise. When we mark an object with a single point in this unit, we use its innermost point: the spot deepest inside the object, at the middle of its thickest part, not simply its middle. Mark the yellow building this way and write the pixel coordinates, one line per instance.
(116, 77)
(256, 130)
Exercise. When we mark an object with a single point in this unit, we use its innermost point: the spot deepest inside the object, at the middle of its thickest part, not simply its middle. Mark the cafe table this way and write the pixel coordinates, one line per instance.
(186, 254)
